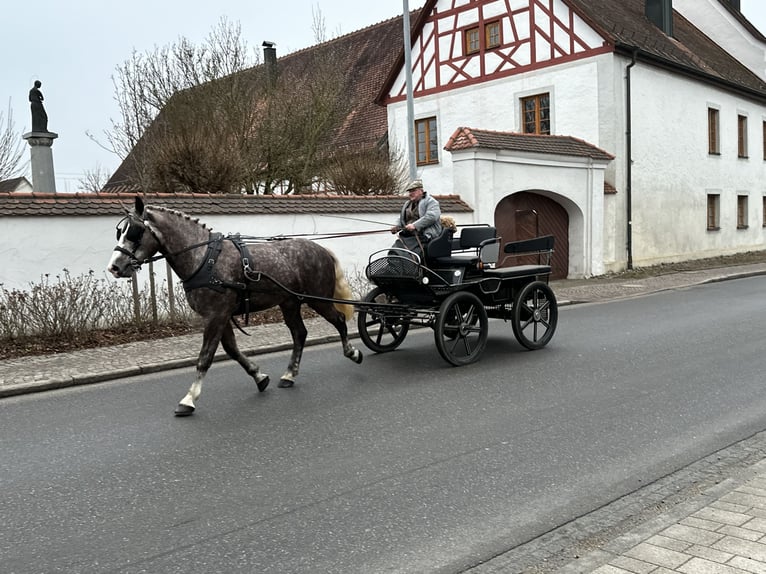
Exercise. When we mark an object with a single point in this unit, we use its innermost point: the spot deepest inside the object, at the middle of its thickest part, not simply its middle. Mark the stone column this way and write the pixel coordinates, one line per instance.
(43, 176)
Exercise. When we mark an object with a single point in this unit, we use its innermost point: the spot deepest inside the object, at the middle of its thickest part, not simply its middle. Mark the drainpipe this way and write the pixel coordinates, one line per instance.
(629, 162)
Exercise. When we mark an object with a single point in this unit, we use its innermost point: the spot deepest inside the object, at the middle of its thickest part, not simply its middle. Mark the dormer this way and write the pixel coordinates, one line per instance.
(660, 13)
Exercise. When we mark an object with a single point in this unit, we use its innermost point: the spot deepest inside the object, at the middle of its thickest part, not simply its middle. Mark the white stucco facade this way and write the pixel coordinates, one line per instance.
(724, 29)
(671, 171)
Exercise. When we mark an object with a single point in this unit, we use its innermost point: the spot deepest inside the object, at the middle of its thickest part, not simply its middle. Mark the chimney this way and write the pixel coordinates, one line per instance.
(270, 61)
(660, 13)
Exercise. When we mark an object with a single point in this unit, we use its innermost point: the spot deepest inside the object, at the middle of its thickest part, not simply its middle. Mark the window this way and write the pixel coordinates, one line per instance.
(741, 212)
(713, 208)
(713, 143)
(426, 141)
(536, 114)
(492, 34)
(741, 136)
(472, 40)
(764, 141)
(491, 37)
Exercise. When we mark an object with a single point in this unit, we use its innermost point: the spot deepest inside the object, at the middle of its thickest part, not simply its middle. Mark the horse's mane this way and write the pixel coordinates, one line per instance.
(180, 214)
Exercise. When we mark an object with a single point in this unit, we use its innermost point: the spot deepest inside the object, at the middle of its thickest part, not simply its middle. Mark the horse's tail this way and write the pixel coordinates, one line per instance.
(342, 291)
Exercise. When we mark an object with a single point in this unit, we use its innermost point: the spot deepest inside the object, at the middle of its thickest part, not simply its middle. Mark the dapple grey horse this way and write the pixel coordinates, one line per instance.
(224, 276)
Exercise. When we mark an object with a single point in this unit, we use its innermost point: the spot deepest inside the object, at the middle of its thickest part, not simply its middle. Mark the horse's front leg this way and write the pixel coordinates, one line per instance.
(291, 311)
(211, 337)
(229, 342)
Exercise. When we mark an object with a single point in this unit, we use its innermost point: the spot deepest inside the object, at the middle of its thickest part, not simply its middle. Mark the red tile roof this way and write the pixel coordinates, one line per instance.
(466, 138)
(199, 205)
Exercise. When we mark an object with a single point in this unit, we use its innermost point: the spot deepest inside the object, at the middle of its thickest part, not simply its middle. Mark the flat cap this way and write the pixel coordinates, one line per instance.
(415, 184)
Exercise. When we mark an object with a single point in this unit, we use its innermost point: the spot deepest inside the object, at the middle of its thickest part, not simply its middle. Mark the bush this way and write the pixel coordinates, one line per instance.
(66, 307)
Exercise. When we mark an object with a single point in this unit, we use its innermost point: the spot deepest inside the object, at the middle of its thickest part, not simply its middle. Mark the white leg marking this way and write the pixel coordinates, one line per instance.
(194, 392)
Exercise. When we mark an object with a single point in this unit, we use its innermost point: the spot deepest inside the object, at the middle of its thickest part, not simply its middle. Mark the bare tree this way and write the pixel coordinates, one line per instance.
(11, 148)
(206, 119)
(194, 88)
(93, 180)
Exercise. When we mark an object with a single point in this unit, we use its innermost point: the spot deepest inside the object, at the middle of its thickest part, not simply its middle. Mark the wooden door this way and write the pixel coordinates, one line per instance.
(527, 214)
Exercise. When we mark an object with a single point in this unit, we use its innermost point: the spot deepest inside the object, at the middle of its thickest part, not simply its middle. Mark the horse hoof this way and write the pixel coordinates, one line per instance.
(262, 384)
(184, 410)
(285, 383)
(359, 357)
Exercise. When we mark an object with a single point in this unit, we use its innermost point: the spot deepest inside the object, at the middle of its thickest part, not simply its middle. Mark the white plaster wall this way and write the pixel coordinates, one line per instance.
(718, 24)
(31, 247)
(574, 89)
(673, 172)
(575, 183)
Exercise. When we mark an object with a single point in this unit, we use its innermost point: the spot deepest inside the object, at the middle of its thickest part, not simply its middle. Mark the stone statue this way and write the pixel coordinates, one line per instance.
(39, 117)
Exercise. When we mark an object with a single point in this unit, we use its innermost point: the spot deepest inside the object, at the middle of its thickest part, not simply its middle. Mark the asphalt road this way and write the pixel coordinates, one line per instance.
(401, 464)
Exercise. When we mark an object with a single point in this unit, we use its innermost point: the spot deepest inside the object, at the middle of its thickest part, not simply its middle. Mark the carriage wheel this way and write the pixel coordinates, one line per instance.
(381, 332)
(461, 328)
(535, 315)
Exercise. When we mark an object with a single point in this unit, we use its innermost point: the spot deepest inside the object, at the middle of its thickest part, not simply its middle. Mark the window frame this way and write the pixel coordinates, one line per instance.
(489, 27)
(539, 118)
(713, 131)
(763, 124)
(713, 211)
(742, 211)
(430, 135)
(472, 36)
(742, 136)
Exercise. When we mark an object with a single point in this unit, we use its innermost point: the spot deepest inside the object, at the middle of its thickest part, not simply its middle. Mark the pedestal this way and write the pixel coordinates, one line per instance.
(43, 176)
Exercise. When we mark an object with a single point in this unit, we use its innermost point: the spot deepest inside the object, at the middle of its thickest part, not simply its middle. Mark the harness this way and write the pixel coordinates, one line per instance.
(205, 275)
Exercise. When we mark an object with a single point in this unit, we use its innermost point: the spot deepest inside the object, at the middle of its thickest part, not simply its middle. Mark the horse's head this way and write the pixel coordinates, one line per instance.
(135, 242)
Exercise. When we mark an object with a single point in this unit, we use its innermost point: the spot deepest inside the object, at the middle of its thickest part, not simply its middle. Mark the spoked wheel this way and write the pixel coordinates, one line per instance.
(381, 332)
(535, 315)
(461, 328)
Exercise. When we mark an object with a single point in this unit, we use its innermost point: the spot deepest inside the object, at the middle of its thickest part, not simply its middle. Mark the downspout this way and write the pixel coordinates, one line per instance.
(629, 162)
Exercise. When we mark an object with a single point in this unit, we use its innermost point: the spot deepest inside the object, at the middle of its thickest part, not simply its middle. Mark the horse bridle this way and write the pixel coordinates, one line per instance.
(135, 233)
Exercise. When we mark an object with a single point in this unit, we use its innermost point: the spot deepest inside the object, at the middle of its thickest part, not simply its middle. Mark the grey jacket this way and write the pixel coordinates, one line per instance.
(429, 224)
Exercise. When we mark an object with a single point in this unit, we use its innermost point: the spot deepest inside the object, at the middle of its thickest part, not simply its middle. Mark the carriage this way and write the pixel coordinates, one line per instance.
(461, 283)
(458, 286)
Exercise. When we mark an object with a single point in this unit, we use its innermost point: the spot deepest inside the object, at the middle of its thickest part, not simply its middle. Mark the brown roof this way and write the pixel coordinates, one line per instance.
(465, 138)
(624, 24)
(200, 205)
(12, 184)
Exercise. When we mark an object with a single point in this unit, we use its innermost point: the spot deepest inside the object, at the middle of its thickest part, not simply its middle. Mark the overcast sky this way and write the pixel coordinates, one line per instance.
(73, 47)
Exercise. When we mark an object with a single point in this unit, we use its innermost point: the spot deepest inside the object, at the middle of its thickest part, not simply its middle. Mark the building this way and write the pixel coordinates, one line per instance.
(632, 130)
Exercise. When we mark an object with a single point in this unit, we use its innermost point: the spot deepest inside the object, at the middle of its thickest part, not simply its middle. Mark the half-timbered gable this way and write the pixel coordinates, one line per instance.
(465, 42)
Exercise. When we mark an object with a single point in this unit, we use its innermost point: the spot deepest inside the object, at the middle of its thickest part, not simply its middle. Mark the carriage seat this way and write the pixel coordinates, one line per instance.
(472, 246)
(539, 247)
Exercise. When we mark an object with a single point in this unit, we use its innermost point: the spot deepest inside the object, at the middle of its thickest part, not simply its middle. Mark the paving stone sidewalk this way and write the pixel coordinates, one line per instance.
(723, 533)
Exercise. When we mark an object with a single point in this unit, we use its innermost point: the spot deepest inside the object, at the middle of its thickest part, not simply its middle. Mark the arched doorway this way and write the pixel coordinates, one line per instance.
(525, 215)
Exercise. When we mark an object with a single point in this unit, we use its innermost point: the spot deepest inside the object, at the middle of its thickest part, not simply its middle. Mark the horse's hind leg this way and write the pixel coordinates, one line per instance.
(291, 311)
(338, 320)
(210, 339)
(229, 342)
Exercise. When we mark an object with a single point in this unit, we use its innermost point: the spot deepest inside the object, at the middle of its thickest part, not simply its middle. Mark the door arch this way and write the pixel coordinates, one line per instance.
(527, 214)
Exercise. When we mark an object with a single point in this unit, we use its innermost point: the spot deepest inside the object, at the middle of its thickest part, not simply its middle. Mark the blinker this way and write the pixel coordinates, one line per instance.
(133, 232)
